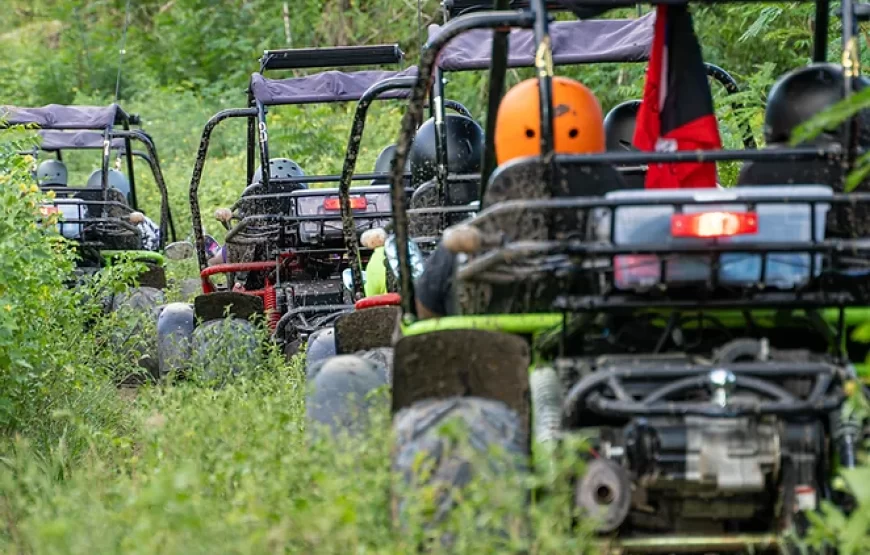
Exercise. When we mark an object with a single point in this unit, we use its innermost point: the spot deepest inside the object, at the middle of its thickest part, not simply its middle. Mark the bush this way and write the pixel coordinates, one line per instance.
(45, 375)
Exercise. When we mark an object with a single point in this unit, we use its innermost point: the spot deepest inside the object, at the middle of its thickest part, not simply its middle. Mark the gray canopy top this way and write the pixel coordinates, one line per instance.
(592, 41)
(57, 116)
(328, 86)
(75, 140)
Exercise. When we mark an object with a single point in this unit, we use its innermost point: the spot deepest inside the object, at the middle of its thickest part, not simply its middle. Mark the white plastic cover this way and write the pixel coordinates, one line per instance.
(777, 223)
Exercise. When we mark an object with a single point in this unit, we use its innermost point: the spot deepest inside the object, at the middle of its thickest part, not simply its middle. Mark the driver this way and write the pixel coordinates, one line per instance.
(578, 127)
(119, 194)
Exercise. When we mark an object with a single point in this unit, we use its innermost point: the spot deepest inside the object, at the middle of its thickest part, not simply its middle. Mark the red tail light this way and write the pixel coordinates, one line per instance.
(356, 203)
(714, 224)
(47, 209)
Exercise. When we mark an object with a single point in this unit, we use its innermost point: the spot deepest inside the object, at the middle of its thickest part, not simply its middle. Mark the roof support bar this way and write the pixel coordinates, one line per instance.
(332, 57)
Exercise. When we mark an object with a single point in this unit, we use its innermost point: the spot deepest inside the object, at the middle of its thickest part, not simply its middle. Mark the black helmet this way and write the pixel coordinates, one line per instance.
(801, 94)
(281, 168)
(464, 149)
(619, 126)
(383, 163)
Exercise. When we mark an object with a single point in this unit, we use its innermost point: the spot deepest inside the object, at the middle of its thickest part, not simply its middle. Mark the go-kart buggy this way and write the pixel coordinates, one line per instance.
(285, 245)
(699, 338)
(103, 216)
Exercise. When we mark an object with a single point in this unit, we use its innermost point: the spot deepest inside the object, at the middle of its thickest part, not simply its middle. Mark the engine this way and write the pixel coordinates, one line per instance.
(700, 474)
(685, 444)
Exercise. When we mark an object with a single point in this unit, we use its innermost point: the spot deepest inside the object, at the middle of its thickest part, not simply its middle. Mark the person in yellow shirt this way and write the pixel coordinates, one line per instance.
(376, 269)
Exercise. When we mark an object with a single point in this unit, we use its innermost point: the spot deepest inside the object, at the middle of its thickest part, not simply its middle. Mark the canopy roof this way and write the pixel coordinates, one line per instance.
(328, 86)
(592, 41)
(57, 116)
(75, 140)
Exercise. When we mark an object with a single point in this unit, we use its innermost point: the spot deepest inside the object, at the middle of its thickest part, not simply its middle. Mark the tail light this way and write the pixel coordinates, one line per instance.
(47, 209)
(334, 203)
(714, 224)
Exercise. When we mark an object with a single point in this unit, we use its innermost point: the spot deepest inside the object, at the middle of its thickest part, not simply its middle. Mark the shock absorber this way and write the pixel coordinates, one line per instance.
(847, 434)
(546, 392)
(270, 303)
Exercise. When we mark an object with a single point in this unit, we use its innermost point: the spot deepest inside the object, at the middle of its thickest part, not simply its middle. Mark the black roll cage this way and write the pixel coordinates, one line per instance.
(536, 18)
(257, 134)
(127, 134)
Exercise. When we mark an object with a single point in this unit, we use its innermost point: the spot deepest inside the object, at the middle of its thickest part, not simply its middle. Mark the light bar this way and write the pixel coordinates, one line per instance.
(707, 225)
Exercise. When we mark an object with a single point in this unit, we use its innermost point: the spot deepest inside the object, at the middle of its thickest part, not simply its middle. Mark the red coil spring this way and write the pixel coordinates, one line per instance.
(270, 303)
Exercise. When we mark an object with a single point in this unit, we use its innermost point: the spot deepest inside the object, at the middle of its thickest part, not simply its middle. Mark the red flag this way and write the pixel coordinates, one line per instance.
(677, 108)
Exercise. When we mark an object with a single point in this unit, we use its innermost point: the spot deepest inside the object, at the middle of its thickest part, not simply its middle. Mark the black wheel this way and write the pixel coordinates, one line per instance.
(223, 349)
(321, 346)
(341, 393)
(137, 310)
(451, 463)
(174, 331)
(383, 357)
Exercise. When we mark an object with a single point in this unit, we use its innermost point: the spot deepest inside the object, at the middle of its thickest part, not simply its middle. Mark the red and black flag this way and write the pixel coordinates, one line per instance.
(677, 108)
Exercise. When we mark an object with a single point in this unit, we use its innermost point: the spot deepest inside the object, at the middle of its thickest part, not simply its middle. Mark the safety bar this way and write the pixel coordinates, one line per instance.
(331, 57)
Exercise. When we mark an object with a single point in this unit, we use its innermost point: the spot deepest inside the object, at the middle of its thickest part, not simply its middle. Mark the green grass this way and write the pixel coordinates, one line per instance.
(198, 470)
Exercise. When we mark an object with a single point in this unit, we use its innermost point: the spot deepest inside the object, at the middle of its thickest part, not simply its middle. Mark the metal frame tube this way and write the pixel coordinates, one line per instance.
(104, 166)
(820, 36)
(264, 144)
(196, 177)
(353, 143)
(411, 120)
(441, 154)
(130, 172)
(251, 141)
(497, 77)
(166, 223)
(544, 67)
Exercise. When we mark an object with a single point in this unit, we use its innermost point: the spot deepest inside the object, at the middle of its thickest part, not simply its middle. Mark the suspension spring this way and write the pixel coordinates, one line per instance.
(270, 303)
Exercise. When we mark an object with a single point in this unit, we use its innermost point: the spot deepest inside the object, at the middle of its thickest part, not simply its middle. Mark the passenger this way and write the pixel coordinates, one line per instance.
(578, 127)
(376, 269)
(119, 192)
(51, 173)
(796, 98)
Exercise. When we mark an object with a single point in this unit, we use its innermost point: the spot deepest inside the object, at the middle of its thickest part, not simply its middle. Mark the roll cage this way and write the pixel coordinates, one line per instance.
(110, 128)
(574, 43)
(329, 86)
(832, 294)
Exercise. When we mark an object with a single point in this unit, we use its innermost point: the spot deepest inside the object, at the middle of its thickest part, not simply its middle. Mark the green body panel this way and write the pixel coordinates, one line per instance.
(143, 256)
(532, 324)
(507, 323)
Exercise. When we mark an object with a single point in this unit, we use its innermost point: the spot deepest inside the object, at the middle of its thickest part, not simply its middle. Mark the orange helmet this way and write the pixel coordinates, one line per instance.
(578, 124)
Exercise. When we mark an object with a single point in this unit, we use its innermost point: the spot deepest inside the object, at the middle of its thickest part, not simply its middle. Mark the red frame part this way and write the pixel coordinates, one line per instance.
(387, 299)
(229, 268)
(268, 293)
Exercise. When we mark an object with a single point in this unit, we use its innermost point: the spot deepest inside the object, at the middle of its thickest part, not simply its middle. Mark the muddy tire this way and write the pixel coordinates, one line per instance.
(223, 349)
(175, 327)
(138, 309)
(383, 357)
(450, 467)
(189, 289)
(321, 346)
(341, 392)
